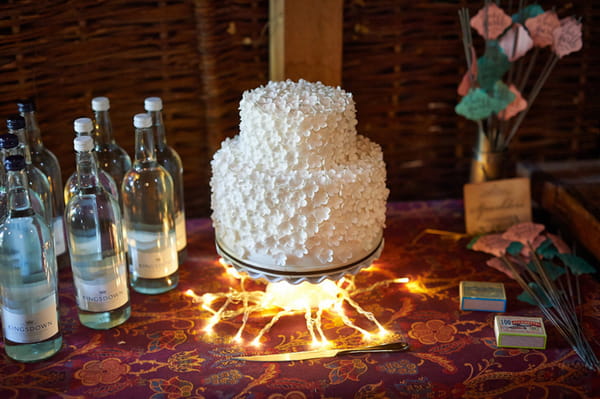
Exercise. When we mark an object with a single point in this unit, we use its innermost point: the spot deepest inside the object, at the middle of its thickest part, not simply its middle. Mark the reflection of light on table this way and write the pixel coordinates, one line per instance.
(286, 299)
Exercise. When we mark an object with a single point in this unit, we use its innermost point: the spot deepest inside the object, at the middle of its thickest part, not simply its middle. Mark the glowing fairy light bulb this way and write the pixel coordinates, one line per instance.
(282, 299)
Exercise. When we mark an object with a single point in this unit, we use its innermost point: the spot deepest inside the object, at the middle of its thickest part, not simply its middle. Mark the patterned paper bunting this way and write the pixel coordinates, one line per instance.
(515, 42)
(491, 21)
(567, 37)
(469, 80)
(492, 66)
(531, 11)
(517, 105)
(541, 28)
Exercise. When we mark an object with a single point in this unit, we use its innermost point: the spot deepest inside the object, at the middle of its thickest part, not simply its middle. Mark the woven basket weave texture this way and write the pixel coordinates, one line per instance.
(402, 60)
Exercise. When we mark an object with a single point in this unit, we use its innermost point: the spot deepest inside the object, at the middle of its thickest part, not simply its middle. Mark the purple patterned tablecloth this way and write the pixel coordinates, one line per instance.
(163, 352)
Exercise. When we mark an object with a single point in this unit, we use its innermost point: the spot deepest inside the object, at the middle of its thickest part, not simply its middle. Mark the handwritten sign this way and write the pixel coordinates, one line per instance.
(496, 205)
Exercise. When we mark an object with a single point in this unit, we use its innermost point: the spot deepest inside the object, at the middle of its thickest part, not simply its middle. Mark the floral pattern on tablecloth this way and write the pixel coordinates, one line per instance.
(163, 352)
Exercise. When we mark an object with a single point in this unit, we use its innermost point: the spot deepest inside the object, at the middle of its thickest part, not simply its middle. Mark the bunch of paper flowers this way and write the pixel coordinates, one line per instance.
(493, 87)
(548, 272)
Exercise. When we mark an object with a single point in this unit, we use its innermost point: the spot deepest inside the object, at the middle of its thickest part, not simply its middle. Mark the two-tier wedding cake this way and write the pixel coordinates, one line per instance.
(298, 192)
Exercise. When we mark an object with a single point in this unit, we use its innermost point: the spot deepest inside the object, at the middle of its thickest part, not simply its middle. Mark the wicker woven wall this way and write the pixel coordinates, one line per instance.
(402, 61)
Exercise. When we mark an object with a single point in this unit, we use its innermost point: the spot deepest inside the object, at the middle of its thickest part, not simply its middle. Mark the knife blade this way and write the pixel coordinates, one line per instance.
(398, 346)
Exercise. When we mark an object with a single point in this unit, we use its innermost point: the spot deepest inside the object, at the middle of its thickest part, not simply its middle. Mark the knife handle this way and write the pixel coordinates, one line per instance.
(399, 346)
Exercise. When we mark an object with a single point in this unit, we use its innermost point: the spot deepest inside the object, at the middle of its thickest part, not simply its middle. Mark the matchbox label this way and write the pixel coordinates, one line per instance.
(521, 325)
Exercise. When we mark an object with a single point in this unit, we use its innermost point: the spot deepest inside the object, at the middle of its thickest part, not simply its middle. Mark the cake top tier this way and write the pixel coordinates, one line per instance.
(298, 125)
(301, 99)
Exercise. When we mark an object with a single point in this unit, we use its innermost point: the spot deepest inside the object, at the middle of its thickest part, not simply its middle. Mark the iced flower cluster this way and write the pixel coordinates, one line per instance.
(298, 186)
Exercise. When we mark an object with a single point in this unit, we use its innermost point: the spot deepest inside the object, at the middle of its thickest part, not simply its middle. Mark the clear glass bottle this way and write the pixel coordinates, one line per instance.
(47, 162)
(111, 157)
(96, 247)
(38, 181)
(106, 179)
(9, 145)
(28, 282)
(3, 191)
(149, 213)
(168, 158)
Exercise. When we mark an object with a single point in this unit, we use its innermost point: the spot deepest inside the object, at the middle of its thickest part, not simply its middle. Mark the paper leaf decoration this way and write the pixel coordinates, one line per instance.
(523, 232)
(567, 37)
(517, 105)
(515, 248)
(560, 245)
(576, 264)
(547, 249)
(492, 244)
(552, 270)
(491, 21)
(516, 42)
(476, 105)
(498, 264)
(530, 11)
(525, 297)
(541, 28)
(492, 66)
(470, 79)
(502, 95)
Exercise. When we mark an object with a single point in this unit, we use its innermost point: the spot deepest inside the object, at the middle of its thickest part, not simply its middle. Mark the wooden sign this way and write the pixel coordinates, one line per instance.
(496, 205)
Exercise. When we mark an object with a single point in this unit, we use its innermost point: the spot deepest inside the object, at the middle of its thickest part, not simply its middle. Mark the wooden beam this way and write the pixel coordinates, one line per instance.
(306, 40)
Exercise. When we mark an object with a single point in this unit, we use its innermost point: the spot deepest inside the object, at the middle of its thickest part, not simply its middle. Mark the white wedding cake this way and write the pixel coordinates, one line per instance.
(298, 191)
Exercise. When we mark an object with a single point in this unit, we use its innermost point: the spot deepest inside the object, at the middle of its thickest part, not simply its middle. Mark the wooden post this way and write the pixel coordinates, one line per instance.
(306, 40)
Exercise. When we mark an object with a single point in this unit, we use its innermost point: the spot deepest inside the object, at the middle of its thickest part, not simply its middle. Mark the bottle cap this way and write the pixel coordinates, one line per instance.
(142, 121)
(83, 125)
(100, 104)
(15, 122)
(26, 105)
(83, 143)
(9, 140)
(153, 104)
(14, 162)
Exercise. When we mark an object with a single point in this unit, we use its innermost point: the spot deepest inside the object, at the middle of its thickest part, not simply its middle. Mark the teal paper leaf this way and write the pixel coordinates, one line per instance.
(547, 250)
(552, 269)
(539, 292)
(476, 105)
(532, 10)
(502, 96)
(576, 264)
(514, 248)
(491, 66)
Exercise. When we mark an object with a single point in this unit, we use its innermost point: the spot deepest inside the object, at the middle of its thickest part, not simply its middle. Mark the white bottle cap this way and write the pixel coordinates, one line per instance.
(153, 104)
(83, 143)
(100, 104)
(142, 120)
(83, 125)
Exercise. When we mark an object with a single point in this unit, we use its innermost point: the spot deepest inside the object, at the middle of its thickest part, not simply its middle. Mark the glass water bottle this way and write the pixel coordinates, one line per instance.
(96, 247)
(168, 158)
(149, 214)
(9, 145)
(28, 283)
(111, 157)
(47, 162)
(105, 179)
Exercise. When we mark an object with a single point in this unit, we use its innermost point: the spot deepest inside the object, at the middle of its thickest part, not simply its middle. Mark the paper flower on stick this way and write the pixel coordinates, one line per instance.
(516, 42)
(567, 37)
(491, 21)
(541, 28)
(492, 89)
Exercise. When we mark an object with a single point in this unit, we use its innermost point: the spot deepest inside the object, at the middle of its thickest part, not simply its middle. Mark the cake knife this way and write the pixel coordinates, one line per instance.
(398, 346)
